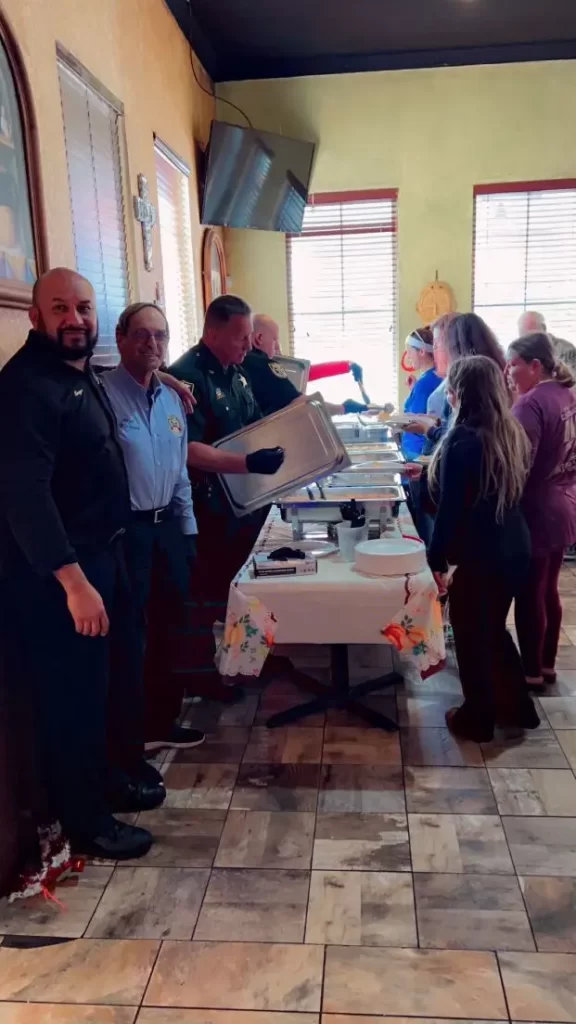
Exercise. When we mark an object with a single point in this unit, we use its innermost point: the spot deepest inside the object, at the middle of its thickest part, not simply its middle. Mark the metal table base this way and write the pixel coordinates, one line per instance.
(340, 694)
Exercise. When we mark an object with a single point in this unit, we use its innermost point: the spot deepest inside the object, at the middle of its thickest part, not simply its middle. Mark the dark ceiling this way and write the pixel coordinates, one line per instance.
(243, 39)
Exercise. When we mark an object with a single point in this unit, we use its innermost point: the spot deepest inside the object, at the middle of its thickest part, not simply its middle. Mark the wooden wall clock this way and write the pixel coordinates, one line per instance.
(213, 267)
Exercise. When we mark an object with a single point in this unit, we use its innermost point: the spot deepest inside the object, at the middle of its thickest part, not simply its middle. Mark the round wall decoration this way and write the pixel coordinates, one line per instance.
(436, 299)
(213, 266)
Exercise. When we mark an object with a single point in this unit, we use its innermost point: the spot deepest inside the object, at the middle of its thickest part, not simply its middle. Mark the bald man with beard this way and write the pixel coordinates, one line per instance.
(64, 504)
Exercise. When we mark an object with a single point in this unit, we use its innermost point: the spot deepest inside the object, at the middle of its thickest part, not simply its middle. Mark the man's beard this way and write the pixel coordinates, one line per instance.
(68, 353)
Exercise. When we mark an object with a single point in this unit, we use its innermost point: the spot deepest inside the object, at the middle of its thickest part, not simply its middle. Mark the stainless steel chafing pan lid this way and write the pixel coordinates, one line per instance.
(339, 495)
(312, 446)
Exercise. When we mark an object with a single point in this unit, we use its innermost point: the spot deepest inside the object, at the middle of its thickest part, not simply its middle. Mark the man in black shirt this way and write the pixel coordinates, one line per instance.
(64, 503)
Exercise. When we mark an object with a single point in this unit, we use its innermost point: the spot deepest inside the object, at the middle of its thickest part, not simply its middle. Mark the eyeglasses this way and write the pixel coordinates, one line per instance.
(141, 334)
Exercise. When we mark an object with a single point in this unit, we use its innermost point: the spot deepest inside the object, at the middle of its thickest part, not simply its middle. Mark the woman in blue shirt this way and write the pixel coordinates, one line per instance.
(420, 351)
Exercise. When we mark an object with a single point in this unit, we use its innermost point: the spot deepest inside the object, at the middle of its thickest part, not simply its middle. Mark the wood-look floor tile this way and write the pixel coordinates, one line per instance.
(567, 740)
(446, 682)
(360, 746)
(542, 846)
(424, 711)
(291, 745)
(456, 790)
(439, 747)
(276, 787)
(568, 611)
(238, 976)
(459, 844)
(565, 685)
(540, 986)
(281, 697)
(172, 1016)
(412, 982)
(182, 838)
(551, 904)
(384, 703)
(362, 789)
(241, 714)
(150, 903)
(540, 791)
(262, 839)
(560, 711)
(343, 1018)
(39, 916)
(566, 657)
(362, 842)
(199, 786)
(471, 912)
(225, 746)
(82, 971)
(254, 906)
(534, 750)
(45, 1013)
(361, 908)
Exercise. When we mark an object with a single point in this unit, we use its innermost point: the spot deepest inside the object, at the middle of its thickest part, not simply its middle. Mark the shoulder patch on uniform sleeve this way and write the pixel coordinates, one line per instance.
(278, 370)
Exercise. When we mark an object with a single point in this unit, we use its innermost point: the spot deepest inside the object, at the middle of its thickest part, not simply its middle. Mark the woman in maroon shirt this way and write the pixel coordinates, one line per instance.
(546, 408)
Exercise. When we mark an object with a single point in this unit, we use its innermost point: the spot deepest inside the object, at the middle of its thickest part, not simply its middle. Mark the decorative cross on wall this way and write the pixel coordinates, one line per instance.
(145, 213)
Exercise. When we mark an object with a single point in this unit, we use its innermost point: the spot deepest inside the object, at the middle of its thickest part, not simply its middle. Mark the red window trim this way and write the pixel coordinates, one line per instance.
(551, 185)
(318, 198)
(374, 195)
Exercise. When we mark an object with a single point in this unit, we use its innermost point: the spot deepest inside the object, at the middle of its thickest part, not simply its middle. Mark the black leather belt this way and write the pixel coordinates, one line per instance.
(153, 515)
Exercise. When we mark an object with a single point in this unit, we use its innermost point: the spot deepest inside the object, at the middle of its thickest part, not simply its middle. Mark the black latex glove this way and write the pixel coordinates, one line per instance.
(351, 406)
(266, 461)
(190, 546)
(357, 372)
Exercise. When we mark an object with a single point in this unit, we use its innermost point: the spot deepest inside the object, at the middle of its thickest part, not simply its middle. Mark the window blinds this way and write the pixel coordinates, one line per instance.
(92, 134)
(342, 289)
(525, 256)
(177, 252)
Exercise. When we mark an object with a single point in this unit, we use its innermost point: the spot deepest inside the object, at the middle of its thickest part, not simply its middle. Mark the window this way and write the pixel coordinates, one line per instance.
(525, 255)
(92, 129)
(342, 289)
(172, 177)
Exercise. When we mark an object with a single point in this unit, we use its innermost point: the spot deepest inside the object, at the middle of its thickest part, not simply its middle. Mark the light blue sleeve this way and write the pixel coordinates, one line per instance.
(182, 497)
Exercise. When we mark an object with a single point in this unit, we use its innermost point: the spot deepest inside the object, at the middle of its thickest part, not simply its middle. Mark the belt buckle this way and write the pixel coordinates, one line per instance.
(157, 514)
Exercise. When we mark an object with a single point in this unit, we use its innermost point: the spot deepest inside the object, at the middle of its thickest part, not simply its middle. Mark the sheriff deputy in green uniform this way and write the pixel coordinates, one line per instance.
(224, 403)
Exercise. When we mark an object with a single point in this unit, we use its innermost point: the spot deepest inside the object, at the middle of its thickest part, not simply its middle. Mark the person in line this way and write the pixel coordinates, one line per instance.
(546, 408)
(477, 477)
(64, 505)
(420, 351)
(160, 539)
(225, 403)
(531, 322)
(269, 380)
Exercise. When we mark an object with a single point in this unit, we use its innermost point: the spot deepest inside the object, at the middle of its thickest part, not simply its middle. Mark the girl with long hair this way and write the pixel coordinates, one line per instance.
(546, 408)
(477, 476)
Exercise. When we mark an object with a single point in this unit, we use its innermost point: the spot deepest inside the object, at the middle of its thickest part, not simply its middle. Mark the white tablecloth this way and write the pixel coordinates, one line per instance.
(336, 605)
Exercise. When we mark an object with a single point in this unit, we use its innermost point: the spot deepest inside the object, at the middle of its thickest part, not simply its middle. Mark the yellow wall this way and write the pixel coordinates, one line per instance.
(433, 134)
(136, 50)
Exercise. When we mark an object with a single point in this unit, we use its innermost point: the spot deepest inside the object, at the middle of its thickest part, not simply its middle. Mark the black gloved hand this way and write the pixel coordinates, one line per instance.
(351, 406)
(357, 372)
(266, 461)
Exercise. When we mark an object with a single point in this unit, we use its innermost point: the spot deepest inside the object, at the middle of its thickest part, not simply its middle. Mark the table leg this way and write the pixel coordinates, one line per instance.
(341, 695)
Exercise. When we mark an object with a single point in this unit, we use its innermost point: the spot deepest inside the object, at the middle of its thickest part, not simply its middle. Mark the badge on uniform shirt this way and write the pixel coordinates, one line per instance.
(219, 393)
(175, 426)
(243, 381)
(278, 370)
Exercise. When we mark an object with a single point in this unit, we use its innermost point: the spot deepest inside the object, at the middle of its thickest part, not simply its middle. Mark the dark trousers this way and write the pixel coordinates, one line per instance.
(158, 569)
(224, 544)
(488, 662)
(65, 679)
(419, 505)
(538, 613)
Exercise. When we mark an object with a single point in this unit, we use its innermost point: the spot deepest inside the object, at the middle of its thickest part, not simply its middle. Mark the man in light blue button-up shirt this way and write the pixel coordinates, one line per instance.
(160, 538)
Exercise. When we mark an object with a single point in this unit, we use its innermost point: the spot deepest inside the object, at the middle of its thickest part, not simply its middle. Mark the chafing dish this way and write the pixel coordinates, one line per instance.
(313, 505)
(353, 430)
(312, 448)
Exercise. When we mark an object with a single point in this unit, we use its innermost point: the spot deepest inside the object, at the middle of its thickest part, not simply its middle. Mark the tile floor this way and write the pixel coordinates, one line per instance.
(329, 874)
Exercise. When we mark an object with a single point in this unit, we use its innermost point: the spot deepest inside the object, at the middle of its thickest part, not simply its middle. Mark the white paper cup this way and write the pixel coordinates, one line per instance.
(348, 538)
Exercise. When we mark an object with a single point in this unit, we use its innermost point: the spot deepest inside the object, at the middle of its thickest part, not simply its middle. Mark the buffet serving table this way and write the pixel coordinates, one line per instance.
(337, 607)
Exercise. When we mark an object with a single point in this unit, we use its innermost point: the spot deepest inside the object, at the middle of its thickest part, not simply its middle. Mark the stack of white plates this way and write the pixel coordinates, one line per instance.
(393, 556)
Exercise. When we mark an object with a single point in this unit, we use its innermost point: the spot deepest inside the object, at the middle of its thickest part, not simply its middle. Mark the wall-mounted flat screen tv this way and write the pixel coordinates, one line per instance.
(256, 179)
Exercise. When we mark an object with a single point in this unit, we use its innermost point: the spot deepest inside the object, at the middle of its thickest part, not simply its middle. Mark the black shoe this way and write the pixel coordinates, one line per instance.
(135, 796)
(180, 738)
(113, 841)
(146, 772)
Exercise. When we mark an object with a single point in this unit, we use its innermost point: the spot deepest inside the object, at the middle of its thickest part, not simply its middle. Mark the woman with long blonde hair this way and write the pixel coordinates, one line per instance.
(477, 477)
(546, 408)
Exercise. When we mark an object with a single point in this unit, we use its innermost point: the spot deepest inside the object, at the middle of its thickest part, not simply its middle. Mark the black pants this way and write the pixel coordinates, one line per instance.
(65, 678)
(159, 570)
(488, 662)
